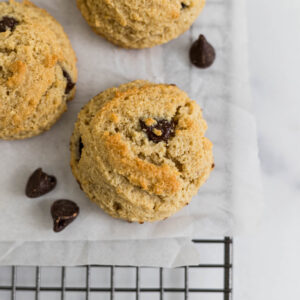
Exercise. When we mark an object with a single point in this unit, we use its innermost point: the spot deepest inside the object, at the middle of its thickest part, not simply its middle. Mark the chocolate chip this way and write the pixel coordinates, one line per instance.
(80, 147)
(70, 84)
(166, 128)
(213, 166)
(8, 23)
(117, 206)
(39, 183)
(202, 53)
(63, 213)
(183, 5)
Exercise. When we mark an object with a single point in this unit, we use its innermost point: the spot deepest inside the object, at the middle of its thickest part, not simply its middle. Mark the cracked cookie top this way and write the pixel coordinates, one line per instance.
(143, 144)
(37, 70)
(137, 23)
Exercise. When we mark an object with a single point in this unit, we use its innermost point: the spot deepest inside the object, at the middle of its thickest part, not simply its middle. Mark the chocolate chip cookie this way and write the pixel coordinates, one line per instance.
(139, 150)
(140, 24)
(37, 70)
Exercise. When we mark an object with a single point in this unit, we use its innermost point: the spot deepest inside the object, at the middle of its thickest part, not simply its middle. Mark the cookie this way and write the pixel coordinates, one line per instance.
(139, 150)
(140, 24)
(37, 70)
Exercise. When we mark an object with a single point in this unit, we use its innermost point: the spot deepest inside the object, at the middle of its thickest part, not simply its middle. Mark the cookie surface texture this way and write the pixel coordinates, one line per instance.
(140, 23)
(37, 70)
(139, 151)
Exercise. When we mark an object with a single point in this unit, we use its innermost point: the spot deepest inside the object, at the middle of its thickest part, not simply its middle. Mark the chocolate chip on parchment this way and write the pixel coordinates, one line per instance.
(161, 131)
(63, 213)
(39, 183)
(70, 84)
(202, 53)
(8, 23)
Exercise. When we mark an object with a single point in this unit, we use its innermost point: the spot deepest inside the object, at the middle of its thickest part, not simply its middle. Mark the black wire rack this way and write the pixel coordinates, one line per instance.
(139, 290)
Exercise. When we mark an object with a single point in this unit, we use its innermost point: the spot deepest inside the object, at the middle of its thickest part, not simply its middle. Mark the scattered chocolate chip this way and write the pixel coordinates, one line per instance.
(141, 222)
(212, 166)
(63, 213)
(183, 5)
(70, 83)
(166, 129)
(8, 23)
(39, 183)
(80, 147)
(202, 53)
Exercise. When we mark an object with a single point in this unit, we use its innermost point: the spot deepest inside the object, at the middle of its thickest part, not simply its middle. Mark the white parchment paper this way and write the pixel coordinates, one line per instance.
(230, 201)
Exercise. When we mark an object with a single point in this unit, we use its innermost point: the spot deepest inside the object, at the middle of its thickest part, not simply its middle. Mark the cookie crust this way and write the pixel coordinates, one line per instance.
(140, 23)
(35, 56)
(127, 174)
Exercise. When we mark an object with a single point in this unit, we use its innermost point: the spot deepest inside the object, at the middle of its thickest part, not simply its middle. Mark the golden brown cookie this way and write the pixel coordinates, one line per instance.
(140, 23)
(37, 70)
(139, 150)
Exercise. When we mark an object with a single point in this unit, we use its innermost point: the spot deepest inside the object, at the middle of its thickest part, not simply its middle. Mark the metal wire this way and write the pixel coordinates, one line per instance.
(88, 272)
(137, 283)
(186, 283)
(227, 268)
(63, 280)
(161, 283)
(112, 286)
(13, 283)
(37, 283)
(186, 290)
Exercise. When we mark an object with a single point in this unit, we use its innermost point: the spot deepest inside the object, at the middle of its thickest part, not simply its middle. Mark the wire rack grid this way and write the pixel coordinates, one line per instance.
(89, 287)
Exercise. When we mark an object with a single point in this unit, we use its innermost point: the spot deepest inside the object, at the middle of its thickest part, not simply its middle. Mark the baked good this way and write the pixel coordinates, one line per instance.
(140, 23)
(139, 150)
(37, 70)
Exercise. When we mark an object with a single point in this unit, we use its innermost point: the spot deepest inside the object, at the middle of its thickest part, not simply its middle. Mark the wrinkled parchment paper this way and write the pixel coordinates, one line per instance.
(230, 202)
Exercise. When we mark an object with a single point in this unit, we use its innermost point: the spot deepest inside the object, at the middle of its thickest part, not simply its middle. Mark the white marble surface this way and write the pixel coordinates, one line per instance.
(267, 264)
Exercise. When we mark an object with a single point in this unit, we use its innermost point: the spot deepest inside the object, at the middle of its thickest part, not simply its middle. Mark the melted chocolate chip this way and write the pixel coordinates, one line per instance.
(39, 183)
(70, 84)
(166, 129)
(202, 53)
(63, 213)
(183, 5)
(8, 23)
(213, 166)
(80, 147)
(117, 206)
